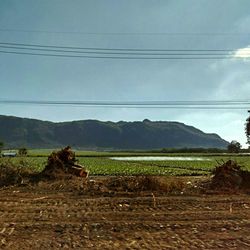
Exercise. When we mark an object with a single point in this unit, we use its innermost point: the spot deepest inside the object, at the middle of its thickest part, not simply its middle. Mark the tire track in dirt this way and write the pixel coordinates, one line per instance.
(52, 220)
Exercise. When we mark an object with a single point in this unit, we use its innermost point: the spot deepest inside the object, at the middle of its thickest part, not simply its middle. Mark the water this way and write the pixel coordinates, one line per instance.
(159, 158)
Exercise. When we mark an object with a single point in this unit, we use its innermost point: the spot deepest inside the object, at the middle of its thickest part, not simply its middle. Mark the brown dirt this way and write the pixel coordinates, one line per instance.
(66, 215)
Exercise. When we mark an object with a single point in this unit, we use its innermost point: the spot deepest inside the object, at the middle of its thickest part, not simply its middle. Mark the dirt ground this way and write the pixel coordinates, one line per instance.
(54, 218)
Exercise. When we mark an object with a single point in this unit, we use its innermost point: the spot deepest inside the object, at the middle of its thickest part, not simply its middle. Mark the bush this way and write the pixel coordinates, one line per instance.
(22, 151)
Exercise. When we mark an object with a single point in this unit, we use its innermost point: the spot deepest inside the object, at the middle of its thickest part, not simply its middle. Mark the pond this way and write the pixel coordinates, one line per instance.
(159, 158)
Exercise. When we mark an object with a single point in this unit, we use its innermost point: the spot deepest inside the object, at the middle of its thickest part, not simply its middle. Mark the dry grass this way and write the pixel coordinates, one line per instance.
(144, 183)
(111, 185)
(12, 175)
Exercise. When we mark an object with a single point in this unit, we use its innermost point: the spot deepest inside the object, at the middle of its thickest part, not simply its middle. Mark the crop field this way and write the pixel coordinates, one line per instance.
(100, 163)
(62, 214)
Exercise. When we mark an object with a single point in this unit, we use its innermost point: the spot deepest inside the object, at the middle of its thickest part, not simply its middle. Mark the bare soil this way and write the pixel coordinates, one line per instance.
(57, 216)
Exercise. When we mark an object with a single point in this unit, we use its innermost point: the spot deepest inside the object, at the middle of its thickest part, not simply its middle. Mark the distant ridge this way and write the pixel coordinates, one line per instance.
(94, 134)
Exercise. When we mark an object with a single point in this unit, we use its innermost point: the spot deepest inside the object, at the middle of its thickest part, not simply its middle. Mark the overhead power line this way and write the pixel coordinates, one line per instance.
(213, 104)
(120, 53)
(128, 33)
(118, 49)
(173, 52)
(184, 102)
(123, 57)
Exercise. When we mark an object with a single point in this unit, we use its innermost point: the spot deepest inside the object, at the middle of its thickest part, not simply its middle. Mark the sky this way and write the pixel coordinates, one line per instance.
(133, 24)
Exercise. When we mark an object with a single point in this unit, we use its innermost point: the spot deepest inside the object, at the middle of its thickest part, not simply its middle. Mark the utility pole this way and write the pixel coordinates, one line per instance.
(248, 129)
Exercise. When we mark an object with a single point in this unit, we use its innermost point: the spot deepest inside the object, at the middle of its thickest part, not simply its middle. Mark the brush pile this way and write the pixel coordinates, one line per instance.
(230, 176)
(63, 163)
(11, 174)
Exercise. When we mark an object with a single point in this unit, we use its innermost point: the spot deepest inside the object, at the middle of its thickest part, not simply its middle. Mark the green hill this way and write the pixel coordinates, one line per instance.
(93, 134)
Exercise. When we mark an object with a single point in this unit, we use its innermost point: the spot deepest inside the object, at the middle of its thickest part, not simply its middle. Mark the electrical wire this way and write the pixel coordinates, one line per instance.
(214, 104)
(128, 33)
(122, 53)
(118, 53)
(120, 49)
(123, 57)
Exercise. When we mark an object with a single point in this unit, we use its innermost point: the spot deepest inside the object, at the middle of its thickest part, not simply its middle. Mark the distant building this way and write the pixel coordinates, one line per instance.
(9, 154)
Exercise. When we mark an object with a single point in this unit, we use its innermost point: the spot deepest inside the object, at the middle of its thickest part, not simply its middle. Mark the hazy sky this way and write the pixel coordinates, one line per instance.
(206, 24)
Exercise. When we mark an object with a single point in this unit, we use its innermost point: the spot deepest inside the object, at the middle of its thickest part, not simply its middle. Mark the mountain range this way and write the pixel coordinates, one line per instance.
(93, 134)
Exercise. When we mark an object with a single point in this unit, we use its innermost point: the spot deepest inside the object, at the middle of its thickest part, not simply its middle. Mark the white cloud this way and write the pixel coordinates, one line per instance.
(242, 53)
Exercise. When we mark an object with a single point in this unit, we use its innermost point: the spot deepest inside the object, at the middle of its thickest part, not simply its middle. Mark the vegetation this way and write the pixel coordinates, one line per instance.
(234, 147)
(1, 146)
(101, 164)
(247, 129)
(13, 173)
(22, 151)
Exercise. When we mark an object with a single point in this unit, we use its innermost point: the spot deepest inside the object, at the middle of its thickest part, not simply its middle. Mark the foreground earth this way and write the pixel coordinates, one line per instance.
(40, 218)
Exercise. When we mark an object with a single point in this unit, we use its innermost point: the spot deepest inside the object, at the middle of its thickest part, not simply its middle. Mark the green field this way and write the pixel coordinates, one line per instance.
(99, 163)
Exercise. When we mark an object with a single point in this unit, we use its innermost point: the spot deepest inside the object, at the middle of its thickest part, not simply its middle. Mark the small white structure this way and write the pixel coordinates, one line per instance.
(9, 154)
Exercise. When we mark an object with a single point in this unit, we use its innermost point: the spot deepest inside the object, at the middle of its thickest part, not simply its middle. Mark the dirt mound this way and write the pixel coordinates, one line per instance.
(143, 183)
(229, 175)
(62, 163)
(132, 183)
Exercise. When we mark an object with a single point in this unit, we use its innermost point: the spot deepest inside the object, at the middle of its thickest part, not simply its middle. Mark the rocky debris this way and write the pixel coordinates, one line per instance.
(63, 162)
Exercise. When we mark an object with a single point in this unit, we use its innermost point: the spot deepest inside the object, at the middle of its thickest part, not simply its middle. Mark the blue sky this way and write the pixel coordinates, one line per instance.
(65, 23)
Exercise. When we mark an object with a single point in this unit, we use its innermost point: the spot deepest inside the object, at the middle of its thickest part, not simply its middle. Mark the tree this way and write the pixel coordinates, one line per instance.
(1, 146)
(247, 129)
(22, 151)
(234, 147)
